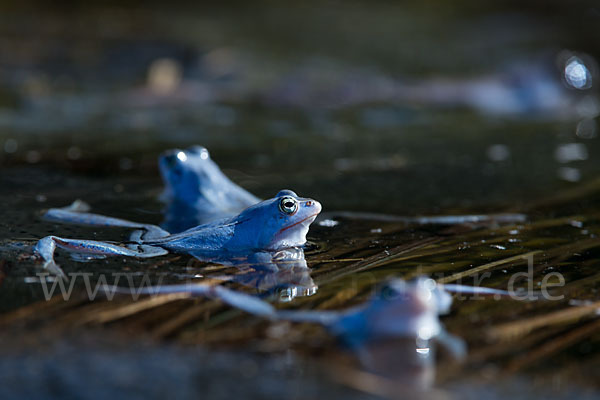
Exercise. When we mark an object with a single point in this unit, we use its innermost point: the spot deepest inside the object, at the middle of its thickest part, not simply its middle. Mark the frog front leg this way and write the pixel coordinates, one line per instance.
(46, 247)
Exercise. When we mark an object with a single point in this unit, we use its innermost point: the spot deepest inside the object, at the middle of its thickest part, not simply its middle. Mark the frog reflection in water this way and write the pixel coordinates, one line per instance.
(273, 224)
(283, 272)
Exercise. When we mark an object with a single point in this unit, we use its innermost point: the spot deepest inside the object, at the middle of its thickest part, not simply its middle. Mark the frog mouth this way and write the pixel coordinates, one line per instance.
(313, 216)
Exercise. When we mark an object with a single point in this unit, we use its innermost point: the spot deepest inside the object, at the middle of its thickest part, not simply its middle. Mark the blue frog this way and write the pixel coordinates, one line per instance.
(197, 191)
(273, 224)
(398, 309)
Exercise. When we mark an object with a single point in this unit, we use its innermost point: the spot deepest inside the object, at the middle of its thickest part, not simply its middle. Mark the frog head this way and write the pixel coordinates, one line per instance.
(399, 309)
(193, 178)
(183, 171)
(277, 223)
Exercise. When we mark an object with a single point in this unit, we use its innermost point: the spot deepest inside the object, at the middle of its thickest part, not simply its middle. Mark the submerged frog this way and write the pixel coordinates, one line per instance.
(399, 309)
(393, 334)
(273, 224)
(197, 191)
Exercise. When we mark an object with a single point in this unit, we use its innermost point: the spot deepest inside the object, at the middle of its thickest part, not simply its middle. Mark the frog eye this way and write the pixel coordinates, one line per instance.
(201, 151)
(181, 156)
(288, 205)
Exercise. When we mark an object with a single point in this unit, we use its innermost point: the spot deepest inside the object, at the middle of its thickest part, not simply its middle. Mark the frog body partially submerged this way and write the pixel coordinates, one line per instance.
(272, 224)
(398, 309)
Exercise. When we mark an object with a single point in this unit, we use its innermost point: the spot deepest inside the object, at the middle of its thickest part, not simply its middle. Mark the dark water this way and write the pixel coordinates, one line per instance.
(407, 110)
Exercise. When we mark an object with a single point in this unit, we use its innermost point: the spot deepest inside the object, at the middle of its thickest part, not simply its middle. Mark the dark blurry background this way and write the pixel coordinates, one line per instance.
(411, 107)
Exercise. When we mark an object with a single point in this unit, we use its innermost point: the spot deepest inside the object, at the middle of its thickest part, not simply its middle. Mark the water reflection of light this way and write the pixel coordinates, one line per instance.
(577, 75)
(288, 294)
(568, 152)
(423, 350)
(329, 223)
(498, 152)
(587, 129)
(569, 174)
(10, 146)
(164, 75)
(74, 153)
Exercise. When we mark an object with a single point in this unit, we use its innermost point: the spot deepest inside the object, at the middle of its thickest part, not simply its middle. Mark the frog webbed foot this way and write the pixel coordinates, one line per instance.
(78, 206)
(46, 247)
(54, 269)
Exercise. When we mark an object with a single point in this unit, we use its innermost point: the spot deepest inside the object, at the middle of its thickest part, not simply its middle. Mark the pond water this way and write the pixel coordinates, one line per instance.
(401, 110)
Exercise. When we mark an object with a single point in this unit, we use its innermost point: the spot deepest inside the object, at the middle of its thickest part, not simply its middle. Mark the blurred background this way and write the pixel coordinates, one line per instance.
(412, 107)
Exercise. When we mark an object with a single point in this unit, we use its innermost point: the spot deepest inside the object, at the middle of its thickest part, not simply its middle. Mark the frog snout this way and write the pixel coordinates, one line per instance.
(315, 205)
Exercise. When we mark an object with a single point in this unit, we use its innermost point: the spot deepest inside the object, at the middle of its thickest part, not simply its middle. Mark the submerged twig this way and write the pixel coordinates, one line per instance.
(45, 308)
(378, 385)
(519, 328)
(485, 267)
(379, 259)
(135, 307)
(553, 346)
(193, 313)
